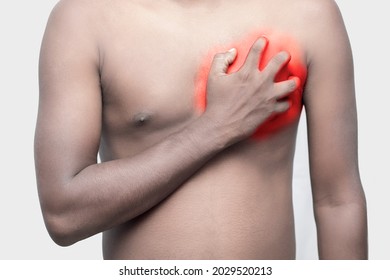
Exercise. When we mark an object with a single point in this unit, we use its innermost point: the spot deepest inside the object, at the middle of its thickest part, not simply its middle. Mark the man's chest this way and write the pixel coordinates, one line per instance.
(151, 70)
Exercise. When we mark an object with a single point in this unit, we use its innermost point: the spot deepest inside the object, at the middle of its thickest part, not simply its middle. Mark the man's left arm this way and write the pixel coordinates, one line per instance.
(329, 98)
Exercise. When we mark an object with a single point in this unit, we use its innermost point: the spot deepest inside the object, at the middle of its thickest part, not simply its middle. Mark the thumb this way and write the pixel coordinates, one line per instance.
(222, 61)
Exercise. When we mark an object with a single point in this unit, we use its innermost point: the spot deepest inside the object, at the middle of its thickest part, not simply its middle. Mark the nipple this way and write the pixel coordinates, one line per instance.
(141, 119)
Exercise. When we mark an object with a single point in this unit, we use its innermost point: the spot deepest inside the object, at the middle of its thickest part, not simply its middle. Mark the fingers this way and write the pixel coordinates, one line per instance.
(281, 107)
(221, 62)
(277, 63)
(283, 89)
(254, 56)
(286, 87)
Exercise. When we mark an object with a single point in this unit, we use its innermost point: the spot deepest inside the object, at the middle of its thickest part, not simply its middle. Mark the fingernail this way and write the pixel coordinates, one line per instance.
(232, 50)
(265, 38)
(297, 82)
(285, 55)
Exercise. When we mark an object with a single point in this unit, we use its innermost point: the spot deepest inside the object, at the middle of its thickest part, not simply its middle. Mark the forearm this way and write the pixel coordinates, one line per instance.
(104, 195)
(342, 230)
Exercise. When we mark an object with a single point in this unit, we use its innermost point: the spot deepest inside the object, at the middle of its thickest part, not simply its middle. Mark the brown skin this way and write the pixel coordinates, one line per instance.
(173, 184)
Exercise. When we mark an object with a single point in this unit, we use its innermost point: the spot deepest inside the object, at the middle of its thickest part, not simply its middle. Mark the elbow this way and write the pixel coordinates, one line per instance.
(339, 192)
(61, 230)
(60, 219)
(334, 201)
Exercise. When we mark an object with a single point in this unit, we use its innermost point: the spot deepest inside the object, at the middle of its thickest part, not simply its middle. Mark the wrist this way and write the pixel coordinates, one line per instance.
(213, 131)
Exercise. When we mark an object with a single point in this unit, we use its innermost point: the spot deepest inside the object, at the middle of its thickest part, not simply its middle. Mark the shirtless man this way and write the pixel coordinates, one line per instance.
(180, 179)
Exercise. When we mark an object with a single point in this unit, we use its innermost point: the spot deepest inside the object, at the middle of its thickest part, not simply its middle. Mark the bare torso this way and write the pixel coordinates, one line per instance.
(184, 172)
(239, 205)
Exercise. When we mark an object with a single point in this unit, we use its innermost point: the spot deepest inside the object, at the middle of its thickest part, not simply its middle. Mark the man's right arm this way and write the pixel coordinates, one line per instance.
(80, 197)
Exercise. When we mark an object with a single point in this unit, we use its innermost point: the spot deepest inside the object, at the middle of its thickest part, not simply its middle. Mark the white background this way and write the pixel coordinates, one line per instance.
(22, 232)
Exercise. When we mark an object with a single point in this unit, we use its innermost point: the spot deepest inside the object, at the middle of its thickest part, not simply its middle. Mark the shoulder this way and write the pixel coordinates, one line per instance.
(71, 32)
(73, 22)
(321, 26)
(83, 6)
(314, 17)
(77, 14)
(319, 16)
(315, 10)
(314, 24)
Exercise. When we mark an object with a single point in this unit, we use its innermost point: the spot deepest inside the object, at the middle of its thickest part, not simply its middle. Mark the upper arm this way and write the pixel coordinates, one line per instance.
(330, 106)
(69, 116)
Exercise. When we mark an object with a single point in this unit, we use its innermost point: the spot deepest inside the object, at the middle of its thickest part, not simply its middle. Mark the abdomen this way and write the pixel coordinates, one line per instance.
(233, 208)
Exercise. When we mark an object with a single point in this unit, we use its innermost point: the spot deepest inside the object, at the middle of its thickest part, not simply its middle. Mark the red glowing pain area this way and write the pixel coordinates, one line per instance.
(295, 67)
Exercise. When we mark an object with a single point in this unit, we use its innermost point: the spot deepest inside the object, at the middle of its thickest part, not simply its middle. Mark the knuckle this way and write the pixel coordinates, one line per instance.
(245, 74)
(270, 99)
(280, 59)
(256, 48)
(289, 86)
(219, 56)
(226, 60)
(267, 76)
(262, 84)
(282, 107)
